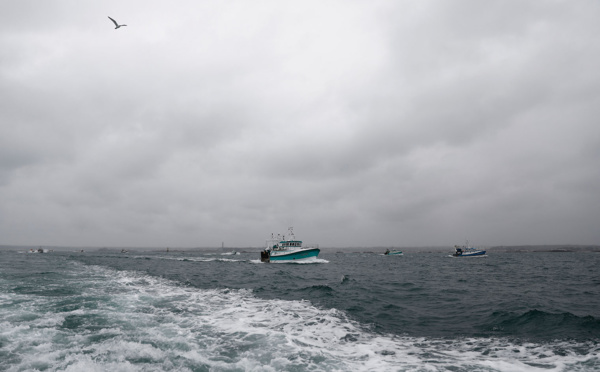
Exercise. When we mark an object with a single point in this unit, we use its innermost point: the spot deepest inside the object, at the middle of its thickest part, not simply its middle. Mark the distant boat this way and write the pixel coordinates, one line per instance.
(393, 252)
(282, 249)
(230, 253)
(467, 251)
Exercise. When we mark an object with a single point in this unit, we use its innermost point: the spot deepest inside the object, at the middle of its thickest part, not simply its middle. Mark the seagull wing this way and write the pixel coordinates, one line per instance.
(115, 22)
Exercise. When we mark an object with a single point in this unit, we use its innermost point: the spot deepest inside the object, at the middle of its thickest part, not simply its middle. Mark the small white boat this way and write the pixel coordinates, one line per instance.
(282, 249)
(232, 253)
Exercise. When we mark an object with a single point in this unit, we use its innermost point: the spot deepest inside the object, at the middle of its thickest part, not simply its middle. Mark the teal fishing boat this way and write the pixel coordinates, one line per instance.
(287, 249)
(393, 252)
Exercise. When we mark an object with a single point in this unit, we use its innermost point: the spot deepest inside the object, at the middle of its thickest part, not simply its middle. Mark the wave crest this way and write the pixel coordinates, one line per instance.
(540, 324)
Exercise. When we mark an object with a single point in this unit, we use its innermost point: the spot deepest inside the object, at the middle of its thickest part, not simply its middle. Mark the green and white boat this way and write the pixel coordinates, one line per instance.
(288, 249)
(393, 252)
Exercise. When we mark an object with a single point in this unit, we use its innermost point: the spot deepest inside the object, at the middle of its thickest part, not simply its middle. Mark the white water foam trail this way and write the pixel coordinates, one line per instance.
(204, 258)
(133, 322)
(306, 261)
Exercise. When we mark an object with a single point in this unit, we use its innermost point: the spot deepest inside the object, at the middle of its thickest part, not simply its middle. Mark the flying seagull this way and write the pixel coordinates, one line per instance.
(116, 24)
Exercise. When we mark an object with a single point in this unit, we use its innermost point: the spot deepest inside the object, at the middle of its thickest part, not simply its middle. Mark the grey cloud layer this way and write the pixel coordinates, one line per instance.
(411, 123)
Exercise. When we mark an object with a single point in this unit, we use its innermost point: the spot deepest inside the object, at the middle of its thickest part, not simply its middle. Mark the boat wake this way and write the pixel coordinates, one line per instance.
(204, 258)
(130, 321)
(476, 256)
(230, 253)
(306, 261)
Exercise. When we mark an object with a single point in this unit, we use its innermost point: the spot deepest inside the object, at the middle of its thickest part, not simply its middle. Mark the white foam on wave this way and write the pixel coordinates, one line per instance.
(304, 261)
(230, 254)
(205, 258)
(135, 322)
(208, 259)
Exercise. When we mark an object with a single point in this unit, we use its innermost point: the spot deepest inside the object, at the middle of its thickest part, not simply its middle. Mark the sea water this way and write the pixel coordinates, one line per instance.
(202, 311)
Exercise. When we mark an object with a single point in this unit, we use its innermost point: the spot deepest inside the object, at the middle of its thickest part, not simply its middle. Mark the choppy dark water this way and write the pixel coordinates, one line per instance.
(194, 311)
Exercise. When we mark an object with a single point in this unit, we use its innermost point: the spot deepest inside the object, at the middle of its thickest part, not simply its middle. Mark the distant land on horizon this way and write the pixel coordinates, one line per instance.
(502, 248)
(375, 249)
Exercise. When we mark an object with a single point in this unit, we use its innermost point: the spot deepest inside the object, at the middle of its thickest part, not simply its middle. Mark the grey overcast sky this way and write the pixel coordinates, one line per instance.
(360, 123)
